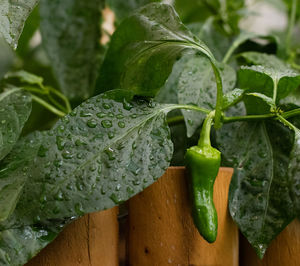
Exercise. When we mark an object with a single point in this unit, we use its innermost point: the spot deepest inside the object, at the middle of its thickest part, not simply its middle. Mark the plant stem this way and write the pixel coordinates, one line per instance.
(189, 107)
(219, 102)
(292, 20)
(172, 121)
(286, 123)
(47, 105)
(294, 65)
(63, 97)
(247, 118)
(275, 83)
(291, 113)
(204, 140)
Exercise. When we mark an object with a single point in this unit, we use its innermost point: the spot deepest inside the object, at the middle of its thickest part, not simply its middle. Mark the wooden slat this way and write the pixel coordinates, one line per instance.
(283, 251)
(89, 241)
(161, 230)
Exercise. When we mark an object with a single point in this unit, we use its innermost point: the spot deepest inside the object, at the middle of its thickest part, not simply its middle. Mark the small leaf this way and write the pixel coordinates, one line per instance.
(269, 67)
(13, 15)
(71, 34)
(26, 77)
(144, 48)
(232, 97)
(265, 98)
(15, 108)
(270, 76)
(243, 37)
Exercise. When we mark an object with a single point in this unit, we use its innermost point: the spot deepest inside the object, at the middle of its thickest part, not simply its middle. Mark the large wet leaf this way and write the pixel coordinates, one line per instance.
(15, 108)
(107, 150)
(196, 86)
(123, 8)
(13, 173)
(144, 48)
(71, 36)
(6, 57)
(260, 192)
(13, 15)
(18, 245)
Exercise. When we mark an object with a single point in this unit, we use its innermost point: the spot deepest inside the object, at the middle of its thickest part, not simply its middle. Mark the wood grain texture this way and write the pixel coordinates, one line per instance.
(283, 251)
(161, 230)
(89, 241)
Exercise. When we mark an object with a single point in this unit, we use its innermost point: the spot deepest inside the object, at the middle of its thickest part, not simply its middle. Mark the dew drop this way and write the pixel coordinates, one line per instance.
(67, 155)
(60, 142)
(101, 115)
(121, 124)
(92, 123)
(126, 105)
(106, 123)
(106, 106)
(79, 209)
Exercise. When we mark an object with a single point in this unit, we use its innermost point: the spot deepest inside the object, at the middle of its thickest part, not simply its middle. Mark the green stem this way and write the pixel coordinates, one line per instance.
(219, 102)
(47, 105)
(247, 118)
(295, 66)
(189, 107)
(275, 83)
(291, 113)
(292, 21)
(57, 104)
(35, 90)
(288, 114)
(63, 97)
(172, 121)
(287, 123)
(204, 140)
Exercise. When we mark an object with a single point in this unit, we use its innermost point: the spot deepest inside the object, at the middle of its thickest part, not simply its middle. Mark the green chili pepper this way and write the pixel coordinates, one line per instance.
(203, 163)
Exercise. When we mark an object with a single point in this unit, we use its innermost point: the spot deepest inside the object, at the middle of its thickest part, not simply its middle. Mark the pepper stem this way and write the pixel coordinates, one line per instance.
(204, 140)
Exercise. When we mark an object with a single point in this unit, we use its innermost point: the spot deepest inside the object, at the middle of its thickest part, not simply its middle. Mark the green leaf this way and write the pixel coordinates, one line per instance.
(268, 75)
(192, 11)
(105, 151)
(6, 57)
(122, 8)
(294, 171)
(13, 15)
(232, 97)
(26, 77)
(243, 37)
(265, 98)
(15, 108)
(71, 35)
(196, 86)
(260, 191)
(225, 13)
(18, 245)
(30, 27)
(143, 50)
(12, 173)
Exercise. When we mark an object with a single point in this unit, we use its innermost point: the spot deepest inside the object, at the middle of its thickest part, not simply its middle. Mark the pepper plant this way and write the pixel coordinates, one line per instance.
(86, 126)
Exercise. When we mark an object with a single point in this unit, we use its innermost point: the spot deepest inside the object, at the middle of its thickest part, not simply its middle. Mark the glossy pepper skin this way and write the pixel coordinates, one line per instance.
(203, 166)
(203, 163)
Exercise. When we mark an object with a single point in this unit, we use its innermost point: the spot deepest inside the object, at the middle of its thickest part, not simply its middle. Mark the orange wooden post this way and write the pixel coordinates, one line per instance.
(89, 241)
(161, 230)
(283, 251)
